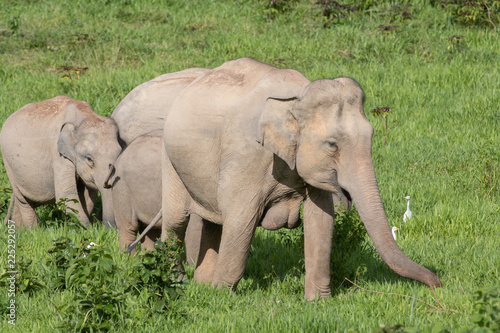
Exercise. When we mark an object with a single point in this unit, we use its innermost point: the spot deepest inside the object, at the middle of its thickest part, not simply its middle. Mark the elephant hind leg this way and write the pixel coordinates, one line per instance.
(22, 209)
(209, 251)
(151, 237)
(126, 222)
(126, 235)
(24, 212)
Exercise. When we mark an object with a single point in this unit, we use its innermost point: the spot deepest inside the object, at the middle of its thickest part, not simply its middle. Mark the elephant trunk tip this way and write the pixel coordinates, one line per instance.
(434, 282)
(407, 268)
(111, 173)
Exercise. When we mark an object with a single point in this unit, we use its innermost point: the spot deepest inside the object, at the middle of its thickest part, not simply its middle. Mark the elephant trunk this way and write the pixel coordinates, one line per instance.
(366, 198)
(110, 175)
(108, 214)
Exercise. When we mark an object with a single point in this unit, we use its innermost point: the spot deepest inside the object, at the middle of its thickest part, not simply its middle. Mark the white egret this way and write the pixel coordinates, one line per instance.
(394, 232)
(407, 215)
(90, 245)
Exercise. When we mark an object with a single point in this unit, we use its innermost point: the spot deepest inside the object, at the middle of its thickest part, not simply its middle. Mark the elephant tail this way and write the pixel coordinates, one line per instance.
(109, 176)
(132, 246)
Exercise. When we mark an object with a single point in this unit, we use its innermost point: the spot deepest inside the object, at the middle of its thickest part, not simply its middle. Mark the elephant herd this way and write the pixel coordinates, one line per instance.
(214, 153)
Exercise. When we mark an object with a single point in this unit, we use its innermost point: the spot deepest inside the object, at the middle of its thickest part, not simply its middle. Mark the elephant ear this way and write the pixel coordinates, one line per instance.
(66, 142)
(278, 129)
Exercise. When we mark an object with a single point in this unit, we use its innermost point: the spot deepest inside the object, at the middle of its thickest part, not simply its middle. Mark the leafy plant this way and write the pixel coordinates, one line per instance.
(70, 73)
(334, 12)
(473, 12)
(487, 308)
(25, 279)
(273, 8)
(97, 300)
(5, 196)
(383, 114)
(159, 271)
(347, 238)
(14, 24)
(63, 252)
(397, 12)
(60, 214)
(455, 42)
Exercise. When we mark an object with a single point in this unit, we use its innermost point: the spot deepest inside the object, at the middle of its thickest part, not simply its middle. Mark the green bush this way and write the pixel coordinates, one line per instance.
(273, 8)
(159, 272)
(487, 309)
(97, 301)
(348, 238)
(473, 12)
(26, 280)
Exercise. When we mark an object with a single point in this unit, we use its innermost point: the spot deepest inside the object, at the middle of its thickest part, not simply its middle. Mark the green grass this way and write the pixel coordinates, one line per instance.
(443, 151)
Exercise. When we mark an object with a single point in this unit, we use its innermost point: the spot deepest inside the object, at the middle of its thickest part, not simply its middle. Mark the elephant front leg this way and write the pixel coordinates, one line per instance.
(237, 234)
(65, 186)
(318, 232)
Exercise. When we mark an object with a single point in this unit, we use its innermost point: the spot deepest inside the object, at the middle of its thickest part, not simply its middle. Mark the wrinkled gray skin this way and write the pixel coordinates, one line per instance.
(145, 108)
(246, 137)
(58, 148)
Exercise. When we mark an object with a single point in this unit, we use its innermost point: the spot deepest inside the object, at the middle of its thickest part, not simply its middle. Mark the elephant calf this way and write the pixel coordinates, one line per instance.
(135, 183)
(58, 148)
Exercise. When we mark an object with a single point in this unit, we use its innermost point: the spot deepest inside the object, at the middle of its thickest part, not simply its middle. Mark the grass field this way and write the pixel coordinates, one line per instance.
(440, 78)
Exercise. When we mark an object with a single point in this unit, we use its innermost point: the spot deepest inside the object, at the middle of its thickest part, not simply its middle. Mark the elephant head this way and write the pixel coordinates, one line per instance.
(324, 134)
(92, 146)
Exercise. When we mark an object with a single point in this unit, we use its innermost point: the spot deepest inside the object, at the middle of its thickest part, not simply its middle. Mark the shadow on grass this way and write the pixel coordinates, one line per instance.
(273, 262)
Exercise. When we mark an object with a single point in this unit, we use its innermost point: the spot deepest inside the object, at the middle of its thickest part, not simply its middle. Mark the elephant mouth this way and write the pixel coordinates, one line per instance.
(346, 194)
(346, 199)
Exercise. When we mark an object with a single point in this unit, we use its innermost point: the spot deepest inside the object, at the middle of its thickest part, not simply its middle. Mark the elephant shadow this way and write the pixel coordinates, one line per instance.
(280, 259)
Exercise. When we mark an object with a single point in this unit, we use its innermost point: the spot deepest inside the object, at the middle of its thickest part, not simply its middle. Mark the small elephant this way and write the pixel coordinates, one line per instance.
(135, 183)
(246, 137)
(145, 108)
(58, 148)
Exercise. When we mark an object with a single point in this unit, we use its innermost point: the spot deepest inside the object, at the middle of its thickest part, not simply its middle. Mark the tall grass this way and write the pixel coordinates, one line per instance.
(443, 149)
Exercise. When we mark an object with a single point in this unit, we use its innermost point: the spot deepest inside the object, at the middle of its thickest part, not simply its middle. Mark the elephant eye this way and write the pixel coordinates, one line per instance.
(332, 145)
(89, 159)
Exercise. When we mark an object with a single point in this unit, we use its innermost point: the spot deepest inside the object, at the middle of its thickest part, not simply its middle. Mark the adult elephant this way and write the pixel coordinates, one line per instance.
(144, 111)
(145, 108)
(58, 148)
(246, 137)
